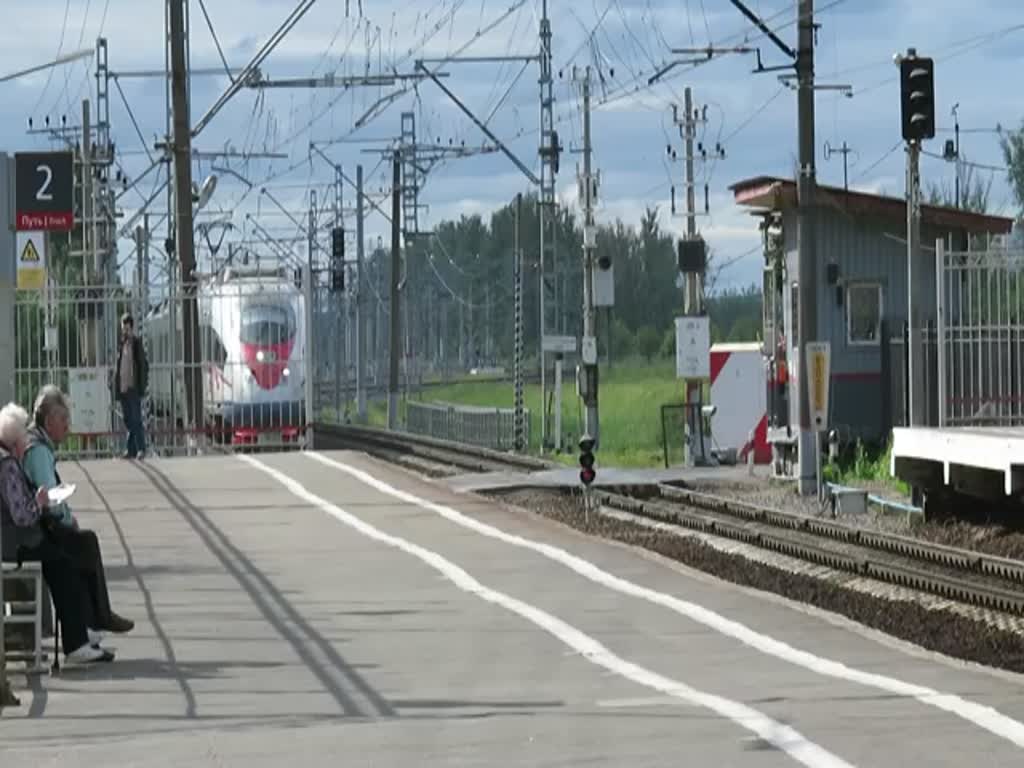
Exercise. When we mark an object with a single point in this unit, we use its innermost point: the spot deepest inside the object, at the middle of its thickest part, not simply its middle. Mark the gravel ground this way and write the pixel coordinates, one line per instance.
(936, 630)
(989, 538)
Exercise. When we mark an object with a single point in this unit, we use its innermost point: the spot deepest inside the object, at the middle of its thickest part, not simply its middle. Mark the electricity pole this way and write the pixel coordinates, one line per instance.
(692, 262)
(548, 298)
(360, 301)
(182, 144)
(694, 302)
(807, 269)
(396, 276)
(517, 277)
(845, 152)
(588, 186)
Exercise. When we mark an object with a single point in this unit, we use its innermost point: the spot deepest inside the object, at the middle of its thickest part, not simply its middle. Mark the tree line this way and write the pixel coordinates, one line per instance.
(459, 289)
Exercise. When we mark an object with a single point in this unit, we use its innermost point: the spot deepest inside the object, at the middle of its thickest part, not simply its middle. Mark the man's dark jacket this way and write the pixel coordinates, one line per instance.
(141, 367)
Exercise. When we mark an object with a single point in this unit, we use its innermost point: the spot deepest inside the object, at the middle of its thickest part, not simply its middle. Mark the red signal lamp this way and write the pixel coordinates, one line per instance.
(587, 472)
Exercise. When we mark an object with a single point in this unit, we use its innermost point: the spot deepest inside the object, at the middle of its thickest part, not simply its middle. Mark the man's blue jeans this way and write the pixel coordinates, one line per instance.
(131, 408)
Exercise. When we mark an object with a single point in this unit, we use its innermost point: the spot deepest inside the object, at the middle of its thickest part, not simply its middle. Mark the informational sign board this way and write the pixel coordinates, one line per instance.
(604, 287)
(563, 344)
(819, 361)
(89, 393)
(31, 250)
(44, 191)
(693, 347)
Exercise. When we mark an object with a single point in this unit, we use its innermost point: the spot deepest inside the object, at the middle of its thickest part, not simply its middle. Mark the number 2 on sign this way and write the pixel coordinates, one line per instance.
(44, 190)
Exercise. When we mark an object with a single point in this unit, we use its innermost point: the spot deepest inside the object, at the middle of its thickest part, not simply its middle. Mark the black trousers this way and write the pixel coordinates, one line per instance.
(82, 548)
(73, 569)
(68, 590)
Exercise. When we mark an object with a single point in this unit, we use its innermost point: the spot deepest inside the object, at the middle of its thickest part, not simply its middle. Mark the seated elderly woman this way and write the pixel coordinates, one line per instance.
(52, 417)
(26, 538)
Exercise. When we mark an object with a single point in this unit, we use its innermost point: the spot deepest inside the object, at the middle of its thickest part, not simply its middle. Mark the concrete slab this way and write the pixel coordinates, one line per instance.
(607, 477)
(271, 632)
(998, 449)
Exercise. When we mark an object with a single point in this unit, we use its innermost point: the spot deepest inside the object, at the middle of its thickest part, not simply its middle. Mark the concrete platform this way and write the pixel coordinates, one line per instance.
(296, 611)
(930, 456)
(607, 477)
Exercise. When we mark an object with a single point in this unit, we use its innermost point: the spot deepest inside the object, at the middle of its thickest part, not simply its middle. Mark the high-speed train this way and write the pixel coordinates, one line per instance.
(252, 347)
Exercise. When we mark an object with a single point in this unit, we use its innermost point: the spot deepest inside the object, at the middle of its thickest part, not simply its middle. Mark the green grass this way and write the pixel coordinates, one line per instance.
(865, 465)
(631, 396)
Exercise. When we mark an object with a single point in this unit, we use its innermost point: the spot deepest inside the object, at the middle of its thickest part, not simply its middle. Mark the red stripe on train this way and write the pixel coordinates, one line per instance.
(269, 371)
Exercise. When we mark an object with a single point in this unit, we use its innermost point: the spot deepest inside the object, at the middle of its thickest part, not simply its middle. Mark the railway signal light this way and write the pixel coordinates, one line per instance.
(587, 472)
(337, 260)
(917, 97)
(337, 276)
(338, 243)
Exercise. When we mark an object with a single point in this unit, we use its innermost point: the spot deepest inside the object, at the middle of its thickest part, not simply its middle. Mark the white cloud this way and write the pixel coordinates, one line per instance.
(629, 134)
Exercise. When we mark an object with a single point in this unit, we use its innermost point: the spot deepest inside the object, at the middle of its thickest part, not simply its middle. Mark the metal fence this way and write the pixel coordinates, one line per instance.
(493, 428)
(981, 333)
(251, 365)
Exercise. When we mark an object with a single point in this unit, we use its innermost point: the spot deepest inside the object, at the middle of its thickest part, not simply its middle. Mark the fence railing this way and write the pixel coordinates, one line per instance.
(475, 425)
(981, 330)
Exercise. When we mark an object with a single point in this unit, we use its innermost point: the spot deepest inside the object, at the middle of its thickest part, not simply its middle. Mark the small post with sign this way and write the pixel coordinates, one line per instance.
(693, 364)
(818, 366)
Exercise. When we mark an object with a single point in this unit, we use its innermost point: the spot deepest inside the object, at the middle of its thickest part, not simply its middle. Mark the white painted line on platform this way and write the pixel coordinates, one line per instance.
(983, 716)
(781, 736)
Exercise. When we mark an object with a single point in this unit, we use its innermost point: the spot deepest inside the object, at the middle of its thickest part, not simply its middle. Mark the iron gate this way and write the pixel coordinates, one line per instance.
(980, 328)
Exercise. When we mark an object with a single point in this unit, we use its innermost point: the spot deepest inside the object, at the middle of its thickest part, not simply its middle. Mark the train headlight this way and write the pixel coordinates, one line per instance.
(286, 372)
(260, 357)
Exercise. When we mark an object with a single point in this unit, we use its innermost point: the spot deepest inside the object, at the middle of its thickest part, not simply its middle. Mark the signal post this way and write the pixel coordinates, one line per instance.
(917, 108)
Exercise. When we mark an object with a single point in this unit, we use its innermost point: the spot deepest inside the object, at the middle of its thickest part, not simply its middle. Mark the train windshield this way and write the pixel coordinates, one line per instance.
(267, 324)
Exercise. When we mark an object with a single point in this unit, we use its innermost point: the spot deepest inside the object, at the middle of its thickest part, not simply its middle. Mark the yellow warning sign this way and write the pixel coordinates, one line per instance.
(29, 253)
(819, 378)
(31, 248)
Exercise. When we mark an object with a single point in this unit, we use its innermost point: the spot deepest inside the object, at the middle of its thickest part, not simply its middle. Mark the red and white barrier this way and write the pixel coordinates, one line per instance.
(738, 389)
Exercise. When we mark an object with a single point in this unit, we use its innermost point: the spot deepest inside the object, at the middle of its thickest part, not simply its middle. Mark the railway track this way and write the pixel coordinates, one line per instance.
(960, 575)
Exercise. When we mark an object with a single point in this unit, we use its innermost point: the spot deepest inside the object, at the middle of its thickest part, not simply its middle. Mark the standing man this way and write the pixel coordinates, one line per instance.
(130, 381)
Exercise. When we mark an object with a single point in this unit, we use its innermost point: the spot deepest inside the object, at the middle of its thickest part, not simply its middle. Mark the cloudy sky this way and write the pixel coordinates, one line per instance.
(752, 116)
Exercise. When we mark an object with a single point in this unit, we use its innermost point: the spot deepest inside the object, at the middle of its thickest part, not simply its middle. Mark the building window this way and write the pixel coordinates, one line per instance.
(863, 313)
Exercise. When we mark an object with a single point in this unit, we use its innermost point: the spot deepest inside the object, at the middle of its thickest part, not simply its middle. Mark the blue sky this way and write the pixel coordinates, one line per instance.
(975, 46)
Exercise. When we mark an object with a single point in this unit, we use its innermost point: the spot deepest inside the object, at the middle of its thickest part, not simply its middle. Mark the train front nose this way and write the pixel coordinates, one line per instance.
(268, 364)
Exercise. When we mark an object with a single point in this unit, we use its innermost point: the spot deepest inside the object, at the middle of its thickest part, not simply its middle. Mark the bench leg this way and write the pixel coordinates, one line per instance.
(39, 622)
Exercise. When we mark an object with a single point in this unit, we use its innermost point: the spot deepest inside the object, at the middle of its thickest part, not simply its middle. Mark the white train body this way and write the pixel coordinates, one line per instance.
(252, 346)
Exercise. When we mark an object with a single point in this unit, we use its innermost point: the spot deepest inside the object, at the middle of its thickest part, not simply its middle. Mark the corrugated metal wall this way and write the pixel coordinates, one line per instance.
(870, 251)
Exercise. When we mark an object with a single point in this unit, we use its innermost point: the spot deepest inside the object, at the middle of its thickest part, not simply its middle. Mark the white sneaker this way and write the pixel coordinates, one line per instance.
(95, 638)
(87, 654)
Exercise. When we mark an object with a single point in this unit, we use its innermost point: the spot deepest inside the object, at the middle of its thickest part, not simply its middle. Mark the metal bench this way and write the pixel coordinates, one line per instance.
(25, 612)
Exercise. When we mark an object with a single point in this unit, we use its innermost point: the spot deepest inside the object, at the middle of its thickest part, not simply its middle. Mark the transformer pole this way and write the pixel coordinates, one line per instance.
(807, 269)
(693, 286)
(396, 275)
(185, 246)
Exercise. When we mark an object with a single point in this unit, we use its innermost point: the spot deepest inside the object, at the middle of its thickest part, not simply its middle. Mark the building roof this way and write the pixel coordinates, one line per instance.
(774, 193)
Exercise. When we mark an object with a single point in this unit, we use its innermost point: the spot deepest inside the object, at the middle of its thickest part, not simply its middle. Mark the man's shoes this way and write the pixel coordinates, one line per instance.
(95, 638)
(119, 625)
(87, 654)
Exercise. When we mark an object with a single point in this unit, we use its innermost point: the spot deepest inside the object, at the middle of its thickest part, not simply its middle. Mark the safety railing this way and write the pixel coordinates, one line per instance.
(475, 425)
